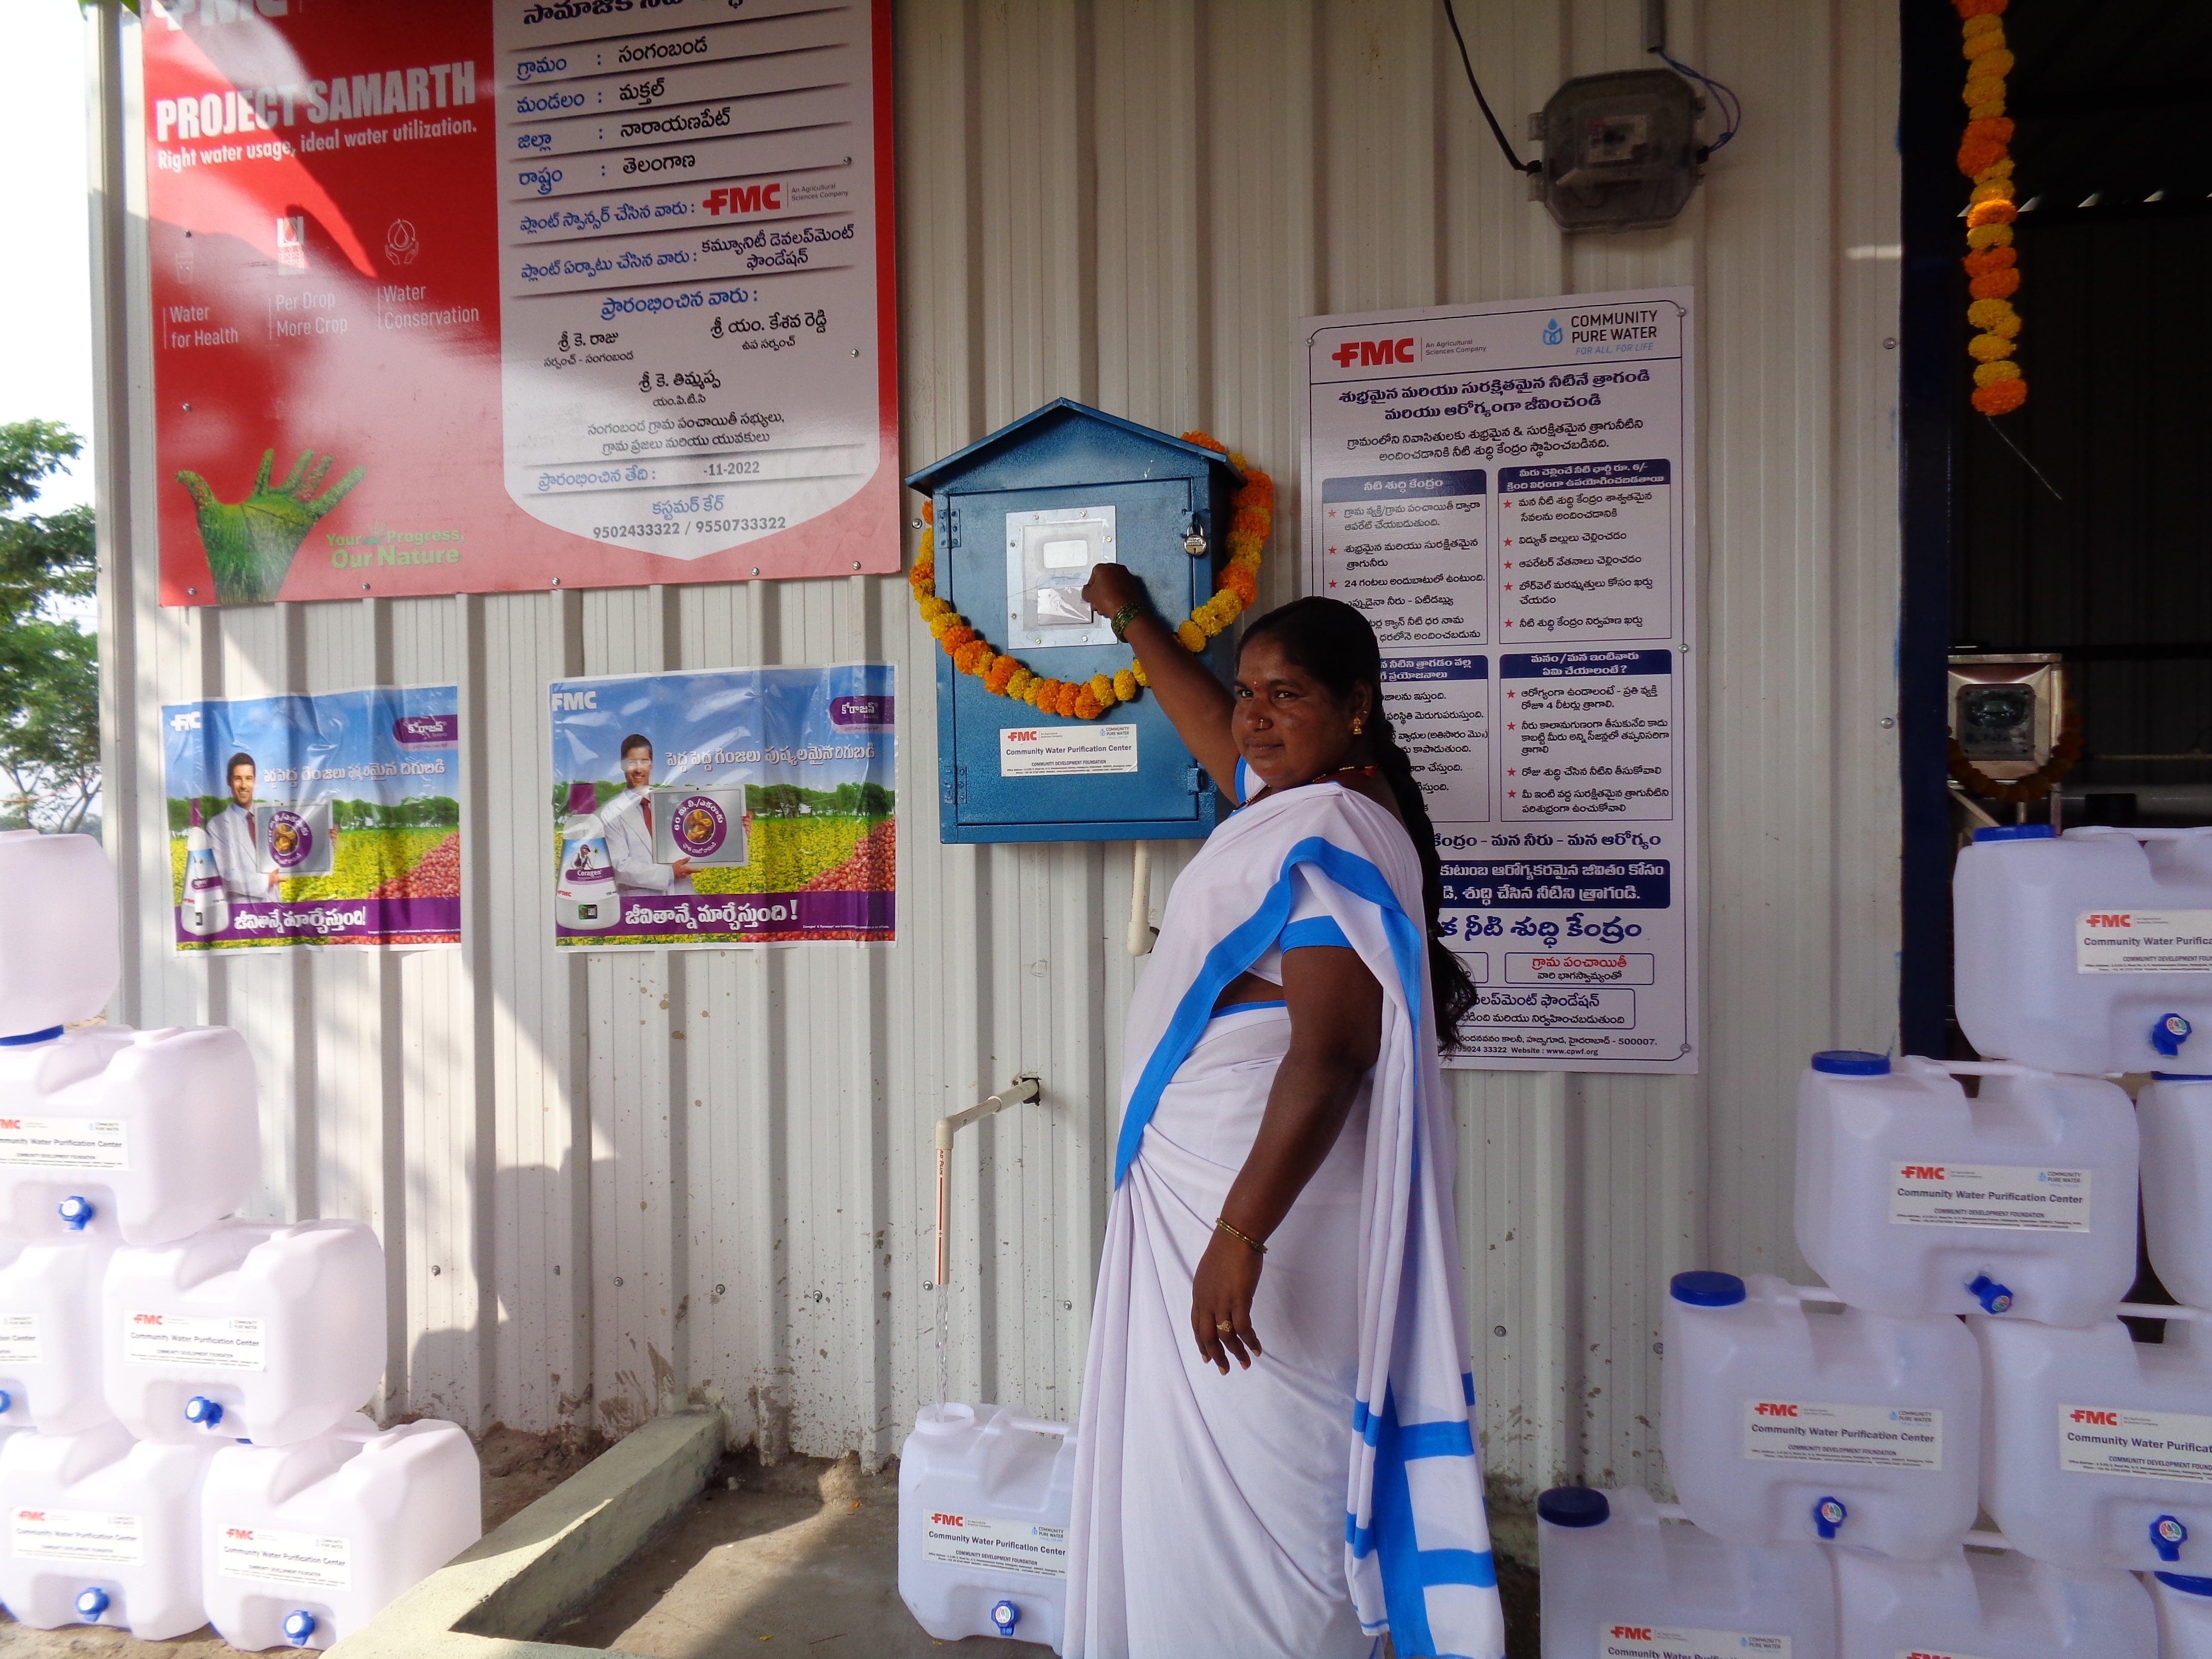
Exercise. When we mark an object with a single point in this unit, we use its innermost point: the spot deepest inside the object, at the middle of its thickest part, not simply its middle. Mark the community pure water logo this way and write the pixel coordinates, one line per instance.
(1553, 336)
(700, 826)
(291, 839)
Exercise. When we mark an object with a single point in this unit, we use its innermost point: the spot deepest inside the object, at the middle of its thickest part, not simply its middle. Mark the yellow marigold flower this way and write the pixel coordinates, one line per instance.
(1983, 109)
(1237, 459)
(1994, 64)
(934, 606)
(1192, 635)
(1102, 689)
(1984, 23)
(1242, 546)
(1982, 236)
(1997, 189)
(1995, 171)
(1994, 317)
(2000, 370)
(1136, 671)
(1988, 348)
(1125, 685)
(944, 619)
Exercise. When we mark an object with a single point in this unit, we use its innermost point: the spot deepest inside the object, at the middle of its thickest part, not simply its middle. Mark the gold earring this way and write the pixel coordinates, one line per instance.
(1357, 726)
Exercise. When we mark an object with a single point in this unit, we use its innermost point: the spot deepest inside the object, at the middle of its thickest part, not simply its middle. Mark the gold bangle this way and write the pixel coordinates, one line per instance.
(1243, 1238)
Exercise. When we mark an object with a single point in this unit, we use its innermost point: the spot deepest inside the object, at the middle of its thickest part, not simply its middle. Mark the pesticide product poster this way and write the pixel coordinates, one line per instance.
(466, 296)
(327, 819)
(1507, 491)
(727, 807)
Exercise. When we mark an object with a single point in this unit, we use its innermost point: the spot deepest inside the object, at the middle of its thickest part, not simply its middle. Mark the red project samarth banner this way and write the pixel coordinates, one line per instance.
(467, 295)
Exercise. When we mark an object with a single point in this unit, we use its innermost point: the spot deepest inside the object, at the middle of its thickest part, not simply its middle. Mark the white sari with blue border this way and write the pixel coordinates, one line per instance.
(1203, 1505)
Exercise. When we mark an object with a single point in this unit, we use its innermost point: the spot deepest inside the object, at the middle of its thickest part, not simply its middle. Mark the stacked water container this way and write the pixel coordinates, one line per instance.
(1830, 1448)
(180, 1390)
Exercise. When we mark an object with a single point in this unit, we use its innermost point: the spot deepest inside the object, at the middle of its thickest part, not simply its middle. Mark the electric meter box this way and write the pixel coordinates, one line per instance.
(1021, 517)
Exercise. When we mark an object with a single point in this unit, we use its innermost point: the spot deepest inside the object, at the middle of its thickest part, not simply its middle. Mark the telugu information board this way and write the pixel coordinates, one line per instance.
(1507, 491)
(464, 295)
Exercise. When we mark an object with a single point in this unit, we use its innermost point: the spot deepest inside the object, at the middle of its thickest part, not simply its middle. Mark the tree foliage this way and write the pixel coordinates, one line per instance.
(49, 666)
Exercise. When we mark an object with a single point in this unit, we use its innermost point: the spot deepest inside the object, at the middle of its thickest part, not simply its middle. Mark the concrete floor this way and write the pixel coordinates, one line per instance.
(802, 1557)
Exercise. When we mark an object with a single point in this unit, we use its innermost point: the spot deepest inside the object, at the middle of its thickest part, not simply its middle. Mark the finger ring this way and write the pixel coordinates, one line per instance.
(1224, 1327)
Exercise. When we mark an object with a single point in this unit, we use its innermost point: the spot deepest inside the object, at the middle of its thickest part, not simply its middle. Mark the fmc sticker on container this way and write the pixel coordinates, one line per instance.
(978, 1540)
(1626, 1639)
(2157, 1445)
(76, 1536)
(203, 1339)
(1989, 1195)
(263, 1555)
(1874, 1436)
(2143, 942)
(73, 1143)
(1044, 751)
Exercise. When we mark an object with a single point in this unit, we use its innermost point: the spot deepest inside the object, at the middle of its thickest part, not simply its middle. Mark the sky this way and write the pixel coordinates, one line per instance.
(46, 372)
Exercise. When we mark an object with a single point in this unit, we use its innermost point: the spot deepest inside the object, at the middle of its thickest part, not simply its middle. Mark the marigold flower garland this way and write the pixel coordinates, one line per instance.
(1991, 261)
(1253, 513)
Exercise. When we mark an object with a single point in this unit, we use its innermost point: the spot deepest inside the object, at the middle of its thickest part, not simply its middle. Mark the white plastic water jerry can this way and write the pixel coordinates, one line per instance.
(141, 1135)
(2097, 1449)
(1783, 1422)
(245, 1331)
(1914, 1199)
(2088, 952)
(102, 1529)
(2184, 1615)
(2175, 1115)
(304, 1544)
(50, 1375)
(1620, 1583)
(1989, 1604)
(985, 1495)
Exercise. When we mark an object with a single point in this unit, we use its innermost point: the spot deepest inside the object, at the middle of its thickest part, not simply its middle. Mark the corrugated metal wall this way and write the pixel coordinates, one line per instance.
(609, 1184)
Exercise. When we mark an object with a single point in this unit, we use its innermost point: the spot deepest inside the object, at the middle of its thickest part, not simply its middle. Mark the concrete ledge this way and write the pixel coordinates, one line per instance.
(506, 1590)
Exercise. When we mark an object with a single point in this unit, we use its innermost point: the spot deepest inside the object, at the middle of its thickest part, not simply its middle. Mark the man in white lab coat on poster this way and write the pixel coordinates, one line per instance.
(239, 836)
(628, 822)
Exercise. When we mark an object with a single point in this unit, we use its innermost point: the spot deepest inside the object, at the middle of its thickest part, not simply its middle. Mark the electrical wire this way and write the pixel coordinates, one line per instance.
(1496, 131)
(1731, 107)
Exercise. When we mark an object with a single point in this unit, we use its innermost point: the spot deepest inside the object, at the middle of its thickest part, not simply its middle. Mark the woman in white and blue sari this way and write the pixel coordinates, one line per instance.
(1277, 1457)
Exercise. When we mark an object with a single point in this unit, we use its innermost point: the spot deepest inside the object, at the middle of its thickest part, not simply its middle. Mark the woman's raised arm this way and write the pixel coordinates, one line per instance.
(1198, 704)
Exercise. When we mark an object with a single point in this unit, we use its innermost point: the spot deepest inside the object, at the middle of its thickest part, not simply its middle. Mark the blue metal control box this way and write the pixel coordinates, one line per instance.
(1022, 516)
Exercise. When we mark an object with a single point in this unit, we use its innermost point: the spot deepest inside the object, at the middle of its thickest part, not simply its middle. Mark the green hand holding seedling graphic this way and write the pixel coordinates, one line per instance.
(250, 546)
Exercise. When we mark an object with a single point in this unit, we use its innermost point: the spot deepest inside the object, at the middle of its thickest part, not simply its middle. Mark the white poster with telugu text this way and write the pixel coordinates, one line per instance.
(1508, 492)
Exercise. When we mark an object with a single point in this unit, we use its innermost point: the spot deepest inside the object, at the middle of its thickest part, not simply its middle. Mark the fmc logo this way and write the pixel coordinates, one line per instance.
(246, 1532)
(1768, 1409)
(2114, 919)
(1372, 354)
(1020, 737)
(187, 720)
(2104, 1419)
(1925, 1171)
(145, 1319)
(745, 198)
(947, 1520)
(1631, 1633)
(564, 699)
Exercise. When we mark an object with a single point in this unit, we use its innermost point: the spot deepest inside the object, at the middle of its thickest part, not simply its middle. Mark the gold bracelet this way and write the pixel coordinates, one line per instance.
(1244, 1239)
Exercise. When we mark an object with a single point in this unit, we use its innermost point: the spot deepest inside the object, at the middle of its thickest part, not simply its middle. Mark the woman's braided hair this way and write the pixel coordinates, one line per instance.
(1333, 641)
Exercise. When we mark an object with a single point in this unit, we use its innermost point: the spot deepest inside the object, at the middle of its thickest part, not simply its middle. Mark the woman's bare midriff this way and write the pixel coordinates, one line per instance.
(1250, 988)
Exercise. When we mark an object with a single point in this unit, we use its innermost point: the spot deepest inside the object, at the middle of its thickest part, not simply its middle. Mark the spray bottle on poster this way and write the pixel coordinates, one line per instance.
(206, 906)
(584, 890)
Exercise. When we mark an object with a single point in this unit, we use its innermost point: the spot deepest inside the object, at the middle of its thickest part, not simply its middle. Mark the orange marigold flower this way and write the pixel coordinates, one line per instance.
(928, 510)
(1973, 9)
(1125, 685)
(1997, 285)
(1976, 156)
(1249, 520)
(2001, 396)
(1068, 694)
(1996, 258)
(1999, 212)
(1002, 673)
(1259, 491)
(1240, 581)
(1997, 129)
(1085, 707)
(973, 657)
(1205, 440)
(953, 638)
(1047, 695)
